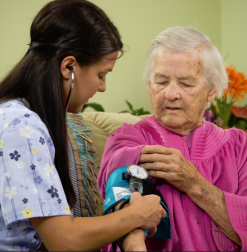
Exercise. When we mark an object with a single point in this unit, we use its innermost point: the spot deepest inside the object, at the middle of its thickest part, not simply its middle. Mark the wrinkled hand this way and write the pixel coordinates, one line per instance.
(169, 164)
(149, 209)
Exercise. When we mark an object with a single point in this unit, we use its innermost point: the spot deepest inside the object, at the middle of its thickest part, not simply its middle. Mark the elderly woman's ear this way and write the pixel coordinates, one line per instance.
(212, 94)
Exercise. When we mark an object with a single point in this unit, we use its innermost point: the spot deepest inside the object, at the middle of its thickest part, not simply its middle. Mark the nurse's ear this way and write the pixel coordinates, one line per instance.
(66, 65)
(66, 68)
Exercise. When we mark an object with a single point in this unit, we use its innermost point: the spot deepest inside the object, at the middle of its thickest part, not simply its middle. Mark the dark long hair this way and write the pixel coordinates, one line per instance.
(61, 28)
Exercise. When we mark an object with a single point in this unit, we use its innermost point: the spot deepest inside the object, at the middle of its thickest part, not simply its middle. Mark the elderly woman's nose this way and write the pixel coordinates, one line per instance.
(172, 92)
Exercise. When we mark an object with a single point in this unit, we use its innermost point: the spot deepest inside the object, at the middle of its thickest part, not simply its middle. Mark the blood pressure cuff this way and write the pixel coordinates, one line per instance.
(117, 190)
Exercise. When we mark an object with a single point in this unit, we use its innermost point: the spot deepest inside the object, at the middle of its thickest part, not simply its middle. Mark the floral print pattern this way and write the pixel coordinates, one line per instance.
(1, 143)
(15, 155)
(42, 140)
(21, 165)
(35, 190)
(32, 167)
(30, 182)
(26, 131)
(35, 150)
(27, 213)
(53, 191)
(49, 141)
(67, 209)
(49, 169)
(38, 180)
(10, 192)
(25, 200)
(7, 174)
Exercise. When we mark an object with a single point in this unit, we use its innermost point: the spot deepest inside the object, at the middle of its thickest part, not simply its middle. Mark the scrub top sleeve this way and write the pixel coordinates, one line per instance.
(30, 185)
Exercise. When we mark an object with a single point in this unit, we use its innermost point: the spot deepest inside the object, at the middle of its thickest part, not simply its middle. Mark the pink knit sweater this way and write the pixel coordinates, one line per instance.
(219, 155)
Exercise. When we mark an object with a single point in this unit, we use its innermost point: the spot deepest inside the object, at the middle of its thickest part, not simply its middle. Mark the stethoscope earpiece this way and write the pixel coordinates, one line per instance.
(70, 68)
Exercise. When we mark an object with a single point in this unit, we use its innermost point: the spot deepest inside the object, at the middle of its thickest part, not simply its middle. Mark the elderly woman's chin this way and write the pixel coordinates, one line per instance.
(178, 124)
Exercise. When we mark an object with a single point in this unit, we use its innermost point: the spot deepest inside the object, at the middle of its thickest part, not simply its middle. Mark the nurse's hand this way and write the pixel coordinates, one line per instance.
(149, 209)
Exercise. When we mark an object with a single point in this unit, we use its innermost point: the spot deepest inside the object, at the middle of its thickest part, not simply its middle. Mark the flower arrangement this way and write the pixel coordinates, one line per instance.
(222, 112)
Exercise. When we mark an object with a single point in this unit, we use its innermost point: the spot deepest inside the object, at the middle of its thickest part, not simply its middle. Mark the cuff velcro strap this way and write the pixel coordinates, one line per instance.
(117, 188)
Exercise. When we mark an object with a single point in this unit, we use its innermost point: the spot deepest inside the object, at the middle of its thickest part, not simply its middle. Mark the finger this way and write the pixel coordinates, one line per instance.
(155, 157)
(152, 231)
(157, 149)
(163, 213)
(134, 196)
(157, 166)
(159, 174)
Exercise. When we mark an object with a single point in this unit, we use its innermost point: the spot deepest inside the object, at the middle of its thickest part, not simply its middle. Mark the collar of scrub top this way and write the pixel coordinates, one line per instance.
(71, 86)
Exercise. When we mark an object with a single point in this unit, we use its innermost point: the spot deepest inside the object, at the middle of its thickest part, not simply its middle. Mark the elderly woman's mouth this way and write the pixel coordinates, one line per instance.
(173, 108)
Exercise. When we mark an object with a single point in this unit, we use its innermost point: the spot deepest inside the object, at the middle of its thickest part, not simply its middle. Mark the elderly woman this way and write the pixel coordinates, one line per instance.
(200, 169)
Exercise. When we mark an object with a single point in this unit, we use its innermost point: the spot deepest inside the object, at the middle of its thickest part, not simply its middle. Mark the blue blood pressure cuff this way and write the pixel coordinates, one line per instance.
(117, 190)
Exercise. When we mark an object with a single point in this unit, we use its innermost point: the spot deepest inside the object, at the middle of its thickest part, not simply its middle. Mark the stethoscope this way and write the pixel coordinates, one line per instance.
(71, 86)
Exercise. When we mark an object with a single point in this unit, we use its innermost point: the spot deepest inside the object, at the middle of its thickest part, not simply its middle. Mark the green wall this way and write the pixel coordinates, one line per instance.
(138, 21)
(234, 35)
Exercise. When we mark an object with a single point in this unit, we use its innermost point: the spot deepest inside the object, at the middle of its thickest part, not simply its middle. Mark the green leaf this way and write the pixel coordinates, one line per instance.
(146, 112)
(130, 106)
(124, 111)
(95, 106)
(241, 124)
(135, 112)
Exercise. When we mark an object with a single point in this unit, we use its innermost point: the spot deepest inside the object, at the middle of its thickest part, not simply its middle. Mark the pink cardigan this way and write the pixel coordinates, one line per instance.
(219, 155)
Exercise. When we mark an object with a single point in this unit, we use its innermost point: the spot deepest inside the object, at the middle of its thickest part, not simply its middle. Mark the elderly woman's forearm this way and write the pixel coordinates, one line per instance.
(212, 200)
(134, 241)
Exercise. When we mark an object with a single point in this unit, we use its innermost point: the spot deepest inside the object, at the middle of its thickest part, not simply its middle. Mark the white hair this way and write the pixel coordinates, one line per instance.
(184, 39)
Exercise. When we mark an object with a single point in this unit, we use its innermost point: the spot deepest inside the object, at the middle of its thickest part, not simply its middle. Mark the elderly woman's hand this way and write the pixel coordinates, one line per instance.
(169, 164)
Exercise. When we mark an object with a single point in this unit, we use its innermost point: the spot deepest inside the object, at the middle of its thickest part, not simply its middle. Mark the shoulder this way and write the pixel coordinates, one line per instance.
(214, 139)
(235, 135)
(238, 141)
(238, 135)
(20, 126)
(16, 115)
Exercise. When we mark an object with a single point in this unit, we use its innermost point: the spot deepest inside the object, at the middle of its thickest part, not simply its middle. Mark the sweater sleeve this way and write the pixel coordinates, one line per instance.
(237, 203)
(122, 148)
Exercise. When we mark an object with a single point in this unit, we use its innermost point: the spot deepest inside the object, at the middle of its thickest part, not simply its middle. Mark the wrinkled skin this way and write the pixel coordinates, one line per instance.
(178, 91)
(169, 164)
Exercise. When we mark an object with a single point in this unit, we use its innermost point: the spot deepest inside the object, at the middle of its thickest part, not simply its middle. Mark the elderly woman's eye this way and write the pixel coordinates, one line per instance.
(163, 82)
(185, 85)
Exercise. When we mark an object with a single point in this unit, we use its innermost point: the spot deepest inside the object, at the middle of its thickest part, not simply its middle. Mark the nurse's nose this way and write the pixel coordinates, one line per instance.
(102, 87)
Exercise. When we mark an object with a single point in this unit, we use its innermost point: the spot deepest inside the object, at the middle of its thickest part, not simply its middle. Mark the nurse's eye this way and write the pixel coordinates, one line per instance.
(101, 78)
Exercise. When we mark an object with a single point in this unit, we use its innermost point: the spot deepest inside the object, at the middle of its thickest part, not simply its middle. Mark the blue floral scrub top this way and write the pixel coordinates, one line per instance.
(29, 183)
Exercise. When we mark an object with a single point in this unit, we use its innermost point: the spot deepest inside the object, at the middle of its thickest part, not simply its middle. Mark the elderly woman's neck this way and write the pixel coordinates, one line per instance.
(184, 130)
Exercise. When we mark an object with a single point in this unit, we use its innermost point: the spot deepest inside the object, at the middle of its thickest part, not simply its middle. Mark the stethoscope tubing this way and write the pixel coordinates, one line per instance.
(71, 87)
